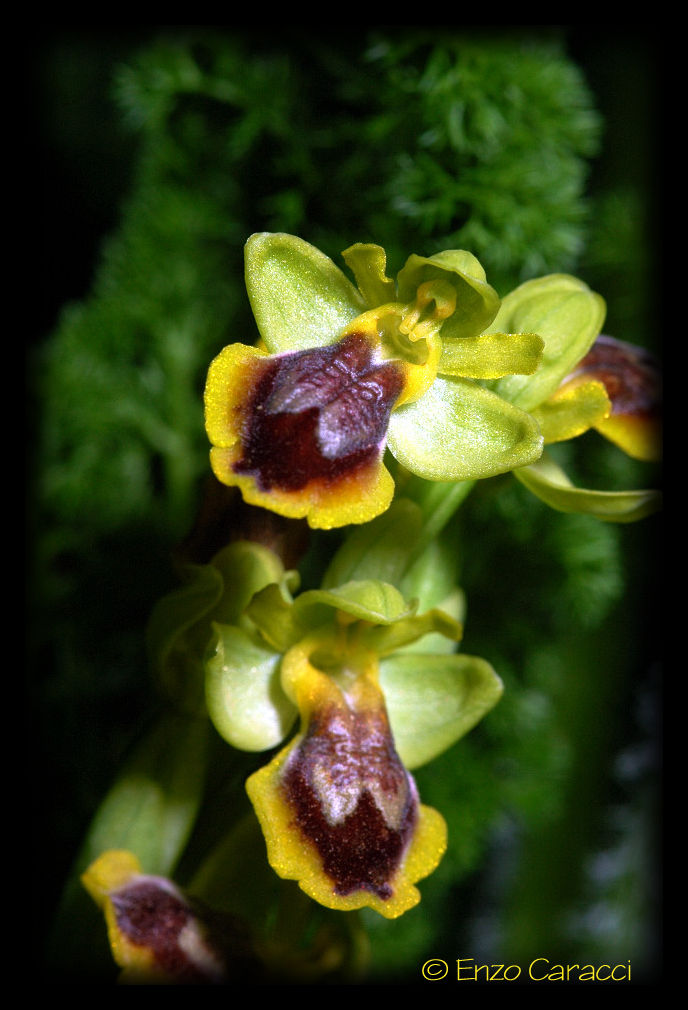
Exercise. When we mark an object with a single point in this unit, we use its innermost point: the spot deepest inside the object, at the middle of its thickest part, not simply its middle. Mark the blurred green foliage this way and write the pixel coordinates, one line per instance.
(418, 140)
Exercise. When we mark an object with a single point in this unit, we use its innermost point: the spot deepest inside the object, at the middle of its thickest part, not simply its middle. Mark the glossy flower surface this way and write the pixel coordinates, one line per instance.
(339, 810)
(301, 426)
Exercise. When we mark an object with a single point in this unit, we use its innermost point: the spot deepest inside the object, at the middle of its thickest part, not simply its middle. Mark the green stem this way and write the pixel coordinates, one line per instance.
(438, 501)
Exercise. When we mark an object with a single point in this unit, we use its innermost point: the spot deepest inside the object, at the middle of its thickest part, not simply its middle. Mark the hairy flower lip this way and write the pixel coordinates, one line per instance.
(295, 479)
(339, 811)
(352, 798)
(317, 414)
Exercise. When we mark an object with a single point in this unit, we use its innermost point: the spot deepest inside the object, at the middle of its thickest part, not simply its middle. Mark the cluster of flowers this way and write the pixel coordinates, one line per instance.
(359, 682)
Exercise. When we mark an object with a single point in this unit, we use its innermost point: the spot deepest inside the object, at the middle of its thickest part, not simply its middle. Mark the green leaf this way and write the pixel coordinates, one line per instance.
(150, 810)
(434, 700)
(476, 301)
(152, 806)
(299, 297)
(548, 482)
(245, 699)
(566, 314)
(460, 431)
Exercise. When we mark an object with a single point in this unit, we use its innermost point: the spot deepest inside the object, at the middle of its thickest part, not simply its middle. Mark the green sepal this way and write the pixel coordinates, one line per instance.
(477, 301)
(548, 482)
(176, 635)
(434, 700)
(300, 298)
(432, 581)
(246, 567)
(271, 613)
(460, 431)
(244, 696)
(368, 263)
(179, 627)
(568, 316)
(491, 355)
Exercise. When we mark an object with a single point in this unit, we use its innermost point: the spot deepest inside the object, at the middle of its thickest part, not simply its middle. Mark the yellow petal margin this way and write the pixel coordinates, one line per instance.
(341, 783)
(113, 870)
(354, 497)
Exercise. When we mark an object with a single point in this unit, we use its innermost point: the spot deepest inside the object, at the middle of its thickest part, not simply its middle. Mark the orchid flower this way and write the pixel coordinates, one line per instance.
(300, 424)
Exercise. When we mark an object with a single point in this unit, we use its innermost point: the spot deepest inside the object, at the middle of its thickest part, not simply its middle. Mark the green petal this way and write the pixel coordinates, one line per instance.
(271, 612)
(417, 628)
(566, 314)
(460, 431)
(548, 482)
(491, 355)
(368, 264)
(431, 712)
(299, 297)
(367, 600)
(243, 692)
(476, 301)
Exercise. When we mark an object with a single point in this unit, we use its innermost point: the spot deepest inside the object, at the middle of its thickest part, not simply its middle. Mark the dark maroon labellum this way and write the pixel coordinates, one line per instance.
(353, 798)
(629, 374)
(318, 414)
(152, 916)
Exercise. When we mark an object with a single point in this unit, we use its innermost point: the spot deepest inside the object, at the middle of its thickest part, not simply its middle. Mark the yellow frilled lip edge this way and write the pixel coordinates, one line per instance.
(106, 875)
(293, 857)
(354, 498)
